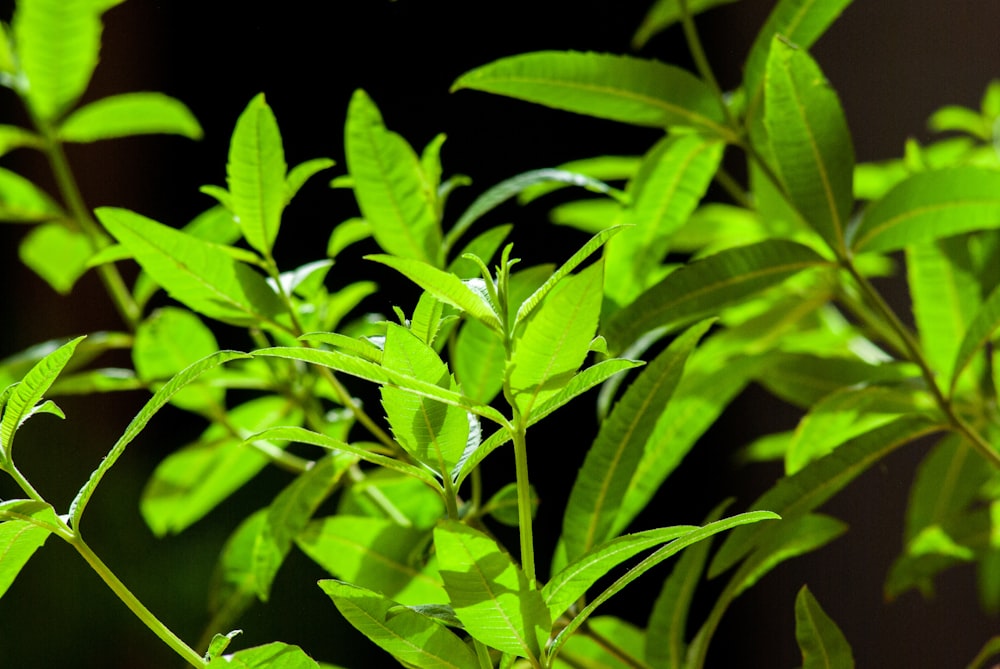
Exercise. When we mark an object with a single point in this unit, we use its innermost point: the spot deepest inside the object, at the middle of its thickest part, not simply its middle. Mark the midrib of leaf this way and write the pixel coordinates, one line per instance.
(390, 191)
(633, 424)
(391, 632)
(827, 662)
(912, 212)
(259, 178)
(698, 119)
(425, 415)
(14, 541)
(838, 226)
(948, 486)
(400, 567)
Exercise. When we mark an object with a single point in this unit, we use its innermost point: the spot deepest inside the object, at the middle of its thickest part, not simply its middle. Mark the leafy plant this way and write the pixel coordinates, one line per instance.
(674, 304)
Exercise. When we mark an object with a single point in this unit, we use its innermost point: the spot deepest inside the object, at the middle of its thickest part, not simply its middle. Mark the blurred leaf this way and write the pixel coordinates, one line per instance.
(57, 253)
(822, 643)
(192, 481)
(665, 13)
(256, 175)
(303, 172)
(21, 201)
(930, 205)
(129, 114)
(618, 88)
(394, 194)
(490, 594)
(591, 650)
(809, 141)
(411, 637)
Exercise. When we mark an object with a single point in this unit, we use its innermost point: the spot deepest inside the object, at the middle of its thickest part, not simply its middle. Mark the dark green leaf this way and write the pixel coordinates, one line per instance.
(705, 286)
(665, 13)
(822, 643)
(619, 88)
(129, 114)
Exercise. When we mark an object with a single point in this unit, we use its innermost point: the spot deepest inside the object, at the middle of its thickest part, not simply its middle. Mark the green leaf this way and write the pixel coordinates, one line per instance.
(822, 643)
(57, 253)
(618, 88)
(513, 187)
(289, 513)
(573, 581)
(502, 506)
(192, 481)
(667, 627)
(303, 172)
(390, 495)
(155, 403)
(21, 404)
(556, 339)
(443, 285)
(945, 294)
(304, 436)
(581, 383)
(219, 644)
(411, 637)
(592, 651)
(168, 341)
(375, 553)
(803, 379)
(200, 274)
(434, 433)
(705, 286)
(673, 176)
(801, 22)
(820, 480)
(665, 13)
(14, 136)
(234, 587)
(931, 205)
(489, 592)
(348, 232)
(394, 194)
(275, 655)
(256, 175)
(980, 331)
(129, 114)
(675, 546)
(23, 202)
(24, 527)
(479, 361)
(611, 461)
(809, 141)
(58, 42)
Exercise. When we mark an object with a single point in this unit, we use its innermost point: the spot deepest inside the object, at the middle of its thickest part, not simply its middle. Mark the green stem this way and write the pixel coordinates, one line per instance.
(138, 608)
(110, 277)
(523, 500)
(701, 62)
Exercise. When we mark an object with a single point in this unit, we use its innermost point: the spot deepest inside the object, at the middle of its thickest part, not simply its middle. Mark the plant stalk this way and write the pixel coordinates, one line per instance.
(135, 606)
(524, 501)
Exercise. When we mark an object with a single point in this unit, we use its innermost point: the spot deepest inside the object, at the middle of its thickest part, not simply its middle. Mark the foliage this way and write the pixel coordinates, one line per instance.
(673, 305)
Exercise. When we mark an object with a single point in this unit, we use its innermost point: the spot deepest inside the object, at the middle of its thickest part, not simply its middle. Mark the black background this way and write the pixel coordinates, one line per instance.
(892, 61)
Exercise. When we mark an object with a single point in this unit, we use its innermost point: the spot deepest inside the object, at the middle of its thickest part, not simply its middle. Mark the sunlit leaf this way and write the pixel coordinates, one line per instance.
(129, 114)
(57, 253)
(24, 527)
(409, 636)
(619, 88)
(197, 273)
(275, 655)
(490, 594)
(394, 194)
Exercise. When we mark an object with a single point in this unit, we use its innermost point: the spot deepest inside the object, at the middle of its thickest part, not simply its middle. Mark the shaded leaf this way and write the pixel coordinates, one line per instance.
(618, 88)
(129, 114)
(822, 643)
(665, 13)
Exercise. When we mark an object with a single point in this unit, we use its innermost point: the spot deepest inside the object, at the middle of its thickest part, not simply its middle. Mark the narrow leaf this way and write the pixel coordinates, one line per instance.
(612, 460)
(980, 331)
(155, 403)
(256, 175)
(197, 273)
(303, 172)
(705, 286)
(490, 594)
(931, 205)
(809, 141)
(665, 13)
(618, 88)
(394, 194)
(822, 643)
(409, 636)
(129, 114)
(21, 403)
